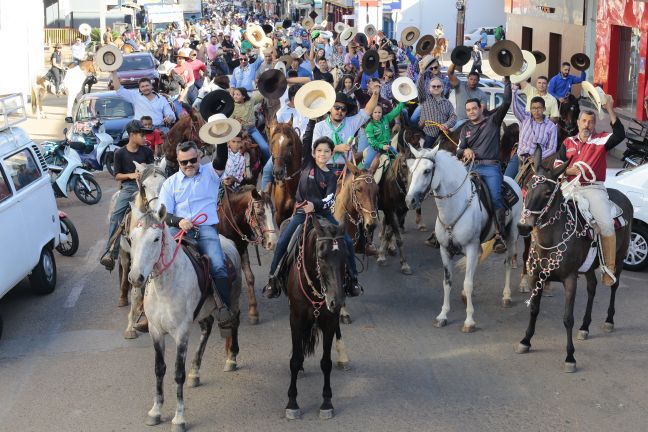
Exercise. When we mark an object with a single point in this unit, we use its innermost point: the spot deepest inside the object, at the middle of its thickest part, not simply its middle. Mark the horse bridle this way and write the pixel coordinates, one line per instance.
(357, 205)
(250, 217)
(429, 187)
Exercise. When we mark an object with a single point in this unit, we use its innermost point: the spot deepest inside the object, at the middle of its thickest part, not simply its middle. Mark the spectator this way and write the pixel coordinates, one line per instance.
(560, 85)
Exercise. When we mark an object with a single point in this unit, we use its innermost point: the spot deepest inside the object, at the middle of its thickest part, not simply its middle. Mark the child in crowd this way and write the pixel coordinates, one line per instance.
(235, 167)
(379, 133)
(154, 138)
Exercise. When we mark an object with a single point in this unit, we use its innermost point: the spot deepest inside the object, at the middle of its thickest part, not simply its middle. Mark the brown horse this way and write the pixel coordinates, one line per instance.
(286, 152)
(44, 86)
(252, 155)
(185, 129)
(247, 217)
(440, 48)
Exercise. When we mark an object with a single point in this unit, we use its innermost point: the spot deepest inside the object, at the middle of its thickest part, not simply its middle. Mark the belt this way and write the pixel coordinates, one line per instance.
(486, 162)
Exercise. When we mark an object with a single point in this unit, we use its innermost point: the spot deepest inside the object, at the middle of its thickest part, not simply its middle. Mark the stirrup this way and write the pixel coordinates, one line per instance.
(607, 273)
(271, 290)
(499, 246)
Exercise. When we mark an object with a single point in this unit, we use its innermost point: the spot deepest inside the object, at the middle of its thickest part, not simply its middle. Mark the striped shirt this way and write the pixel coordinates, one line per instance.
(235, 166)
(532, 133)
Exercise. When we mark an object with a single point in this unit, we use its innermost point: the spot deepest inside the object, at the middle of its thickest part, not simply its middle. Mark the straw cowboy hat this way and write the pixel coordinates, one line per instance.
(219, 129)
(410, 35)
(272, 83)
(109, 58)
(184, 53)
(428, 61)
(506, 58)
(286, 59)
(595, 94)
(217, 102)
(404, 89)
(85, 29)
(383, 55)
(308, 23)
(339, 27)
(298, 53)
(166, 67)
(315, 99)
(425, 45)
(527, 69)
(257, 36)
(347, 35)
(370, 30)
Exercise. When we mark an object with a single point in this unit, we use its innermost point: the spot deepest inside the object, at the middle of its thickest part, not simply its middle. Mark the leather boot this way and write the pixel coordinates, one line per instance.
(107, 260)
(271, 290)
(224, 315)
(500, 222)
(608, 267)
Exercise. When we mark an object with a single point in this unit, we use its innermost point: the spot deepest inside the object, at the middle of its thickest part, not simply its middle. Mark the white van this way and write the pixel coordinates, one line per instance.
(29, 223)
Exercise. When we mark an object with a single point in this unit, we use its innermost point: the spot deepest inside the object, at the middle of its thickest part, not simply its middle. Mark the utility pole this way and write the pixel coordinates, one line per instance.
(461, 20)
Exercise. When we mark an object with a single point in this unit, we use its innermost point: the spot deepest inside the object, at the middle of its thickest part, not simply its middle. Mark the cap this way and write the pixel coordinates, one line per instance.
(135, 126)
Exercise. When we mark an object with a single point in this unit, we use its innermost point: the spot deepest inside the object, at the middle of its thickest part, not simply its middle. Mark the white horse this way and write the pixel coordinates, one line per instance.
(171, 297)
(207, 87)
(461, 219)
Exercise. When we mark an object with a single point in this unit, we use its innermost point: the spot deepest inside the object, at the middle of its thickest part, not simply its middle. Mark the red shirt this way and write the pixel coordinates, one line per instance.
(153, 139)
(186, 72)
(197, 66)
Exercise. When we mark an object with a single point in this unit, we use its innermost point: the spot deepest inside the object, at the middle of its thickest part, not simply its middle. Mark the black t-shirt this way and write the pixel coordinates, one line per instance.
(124, 160)
(326, 76)
(57, 56)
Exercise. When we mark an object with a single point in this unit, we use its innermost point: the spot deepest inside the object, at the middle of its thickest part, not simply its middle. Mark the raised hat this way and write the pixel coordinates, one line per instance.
(308, 23)
(370, 30)
(361, 39)
(404, 89)
(85, 29)
(383, 55)
(109, 58)
(347, 36)
(410, 35)
(425, 45)
(272, 83)
(257, 36)
(298, 53)
(166, 67)
(339, 27)
(506, 58)
(219, 129)
(370, 61)
(460, 55)
(314, 99)
(580, 61)
(527, 69)
(593, 93)
(215, 102)
(539, 56)
(267, 28)
(287, 24)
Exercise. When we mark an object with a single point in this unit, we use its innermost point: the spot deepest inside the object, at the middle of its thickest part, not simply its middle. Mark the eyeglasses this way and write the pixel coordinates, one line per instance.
(435, 67)
(340, 108)
(436, 86)
(186, 162)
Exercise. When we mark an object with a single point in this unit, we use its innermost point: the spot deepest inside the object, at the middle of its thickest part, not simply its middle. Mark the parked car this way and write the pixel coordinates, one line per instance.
(633, 183)
(113, 111)
(29, 221)
(136, 66)
(474, 36)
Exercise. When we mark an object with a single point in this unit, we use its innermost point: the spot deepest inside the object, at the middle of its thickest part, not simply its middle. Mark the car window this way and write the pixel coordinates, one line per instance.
(138, 62)
(104, 108)
(5, 190)
(22, 169)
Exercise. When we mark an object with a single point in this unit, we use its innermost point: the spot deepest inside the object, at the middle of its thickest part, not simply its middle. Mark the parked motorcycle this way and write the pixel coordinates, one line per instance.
(69, 238)
(97, 156)
(637, 145)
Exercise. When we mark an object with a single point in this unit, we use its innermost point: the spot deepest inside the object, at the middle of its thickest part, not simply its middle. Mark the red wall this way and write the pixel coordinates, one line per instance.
(619, 13)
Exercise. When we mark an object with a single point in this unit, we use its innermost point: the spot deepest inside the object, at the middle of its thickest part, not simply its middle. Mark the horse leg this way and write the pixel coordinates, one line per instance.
(124, 285)
(568, 321)
(345, 316)
(134, 313)
(231, 350)
(524, 281)
(525, 344)
(419, 223)
(514, 258)
(405, 268)
(442, 319)
(178, 421)
(511, 257)
(160, 369)
(296, 362)
(583, 333)
(384, 240)
(343, 358)
(326, 409)
(472, 260)
(608, 325)
(253, 313)
(205, 330)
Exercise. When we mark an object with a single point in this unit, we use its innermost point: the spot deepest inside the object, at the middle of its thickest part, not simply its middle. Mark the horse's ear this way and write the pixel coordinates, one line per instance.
(139, 167)
(537, 158)
(374, 165)
(272, 124)
(415, 153)
(354, 169)
(162, 212)
(559, 170)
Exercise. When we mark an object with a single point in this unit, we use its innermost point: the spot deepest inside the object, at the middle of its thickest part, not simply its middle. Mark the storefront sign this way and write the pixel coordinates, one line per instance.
(569, 12)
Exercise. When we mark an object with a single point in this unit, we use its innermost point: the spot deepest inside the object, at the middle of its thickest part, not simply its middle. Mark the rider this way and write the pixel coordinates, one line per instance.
(586, 154)
(540, 89)
(315, 194)
(465, 90)
(57, 68)
(479, 143)
(147, 102)
(135, 151)
(437, 113)
(560, 85)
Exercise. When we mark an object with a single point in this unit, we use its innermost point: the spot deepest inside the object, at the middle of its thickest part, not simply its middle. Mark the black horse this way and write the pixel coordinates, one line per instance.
(569, 112)
(560, 247)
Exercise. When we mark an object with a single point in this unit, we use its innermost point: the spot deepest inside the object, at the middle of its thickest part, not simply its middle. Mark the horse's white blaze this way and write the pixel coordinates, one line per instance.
(281, 140)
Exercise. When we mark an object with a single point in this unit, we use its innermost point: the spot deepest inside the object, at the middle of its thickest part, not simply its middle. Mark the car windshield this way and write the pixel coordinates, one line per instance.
(106, 108)
(138, 62)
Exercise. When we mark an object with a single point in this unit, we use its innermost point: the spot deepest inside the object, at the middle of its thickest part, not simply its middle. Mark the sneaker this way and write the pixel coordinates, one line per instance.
(499, 247)
(108, 261)
(354, 289)
(271, 290)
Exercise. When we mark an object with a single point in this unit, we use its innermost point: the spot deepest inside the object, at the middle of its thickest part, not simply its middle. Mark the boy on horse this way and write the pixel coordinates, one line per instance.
(586, 154)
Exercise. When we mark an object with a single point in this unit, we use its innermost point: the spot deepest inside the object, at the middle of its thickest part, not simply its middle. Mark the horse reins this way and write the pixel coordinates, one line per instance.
(301, 268)
(198, 220)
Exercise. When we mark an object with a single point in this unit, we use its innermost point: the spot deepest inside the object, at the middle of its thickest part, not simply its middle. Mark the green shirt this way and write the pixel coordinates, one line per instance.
(245, 46)
(378, 132)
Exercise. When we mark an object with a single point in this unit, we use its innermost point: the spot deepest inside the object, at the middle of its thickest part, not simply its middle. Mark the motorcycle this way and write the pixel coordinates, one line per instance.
(67, 173)
(69, 238)
(636, 152)
(102, 154)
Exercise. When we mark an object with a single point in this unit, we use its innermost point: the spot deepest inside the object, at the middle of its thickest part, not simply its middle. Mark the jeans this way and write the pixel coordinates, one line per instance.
(492, 176)
(209, 244)
(261, 142)
(363, 141)
(266, 174)
(192, 94)
(284, 240)
(369, 156)
(124, 198)
(513, 166)
(56, 77)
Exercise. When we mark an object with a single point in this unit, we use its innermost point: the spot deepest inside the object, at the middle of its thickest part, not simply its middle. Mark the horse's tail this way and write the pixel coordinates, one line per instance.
(34, 102)
(486, 251)
(310, 340)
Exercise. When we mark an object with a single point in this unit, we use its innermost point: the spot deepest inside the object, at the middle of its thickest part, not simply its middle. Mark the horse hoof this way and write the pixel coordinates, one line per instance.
(582, 335)
(569, 367)
(326, 414)
(293, 414)
(382, 261)
(253, 319)
(193, 381)
(468, 328)
(507, 303)
(406, 270)
(422, 227)
(180, 427)
(152, 420)
(230, 366)
(346, 319)
(440, 323)
(123, 301)
(608, 327)
(522, 349)
(130, 334)
(343, 365)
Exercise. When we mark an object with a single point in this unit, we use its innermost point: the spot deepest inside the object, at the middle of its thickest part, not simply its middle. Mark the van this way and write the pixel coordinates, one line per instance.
(29, 222)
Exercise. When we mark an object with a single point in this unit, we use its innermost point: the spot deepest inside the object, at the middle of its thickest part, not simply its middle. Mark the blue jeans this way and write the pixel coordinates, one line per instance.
(261, 142)
(126, 193)
(369, 156)
(513, 166)
(266, 174)
(492, 176)
(284, 240)
(363, 141)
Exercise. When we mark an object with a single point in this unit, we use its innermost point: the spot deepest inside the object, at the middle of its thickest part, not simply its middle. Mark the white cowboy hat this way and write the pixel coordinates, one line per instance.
(219, 129)
(527, 69)
(308, 23)
(85, 29)
(314, 99)
(281, 66)
(325, 34)
(594, 94)
(404, 89)
(256, 36)
(109, 58)
(347, 36)
(370, 30)
(298, 52)
(166, 67)
(339, 27)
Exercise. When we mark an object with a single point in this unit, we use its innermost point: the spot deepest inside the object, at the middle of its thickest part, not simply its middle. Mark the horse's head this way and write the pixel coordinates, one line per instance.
(150, 183)
(542, 193)
(263, 217)
(331, 258)
(207, 87)
(364, 194)
(284, 143)
(569, 112)
(421, 174)
(147, 239)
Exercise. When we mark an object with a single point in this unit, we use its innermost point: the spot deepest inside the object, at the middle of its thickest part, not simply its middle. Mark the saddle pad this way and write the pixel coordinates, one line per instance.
(509, 197)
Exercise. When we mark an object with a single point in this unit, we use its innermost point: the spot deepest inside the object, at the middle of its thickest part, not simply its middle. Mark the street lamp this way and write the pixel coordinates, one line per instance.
(461, 18)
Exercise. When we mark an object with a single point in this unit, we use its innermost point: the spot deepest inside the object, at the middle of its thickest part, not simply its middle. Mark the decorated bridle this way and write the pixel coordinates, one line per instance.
(251, 218)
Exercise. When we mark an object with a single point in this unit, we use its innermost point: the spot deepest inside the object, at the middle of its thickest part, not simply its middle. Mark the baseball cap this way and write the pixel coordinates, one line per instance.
(135, 126)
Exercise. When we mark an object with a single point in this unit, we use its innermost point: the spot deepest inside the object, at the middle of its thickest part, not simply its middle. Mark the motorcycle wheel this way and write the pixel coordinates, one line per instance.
(87, 196)
(109, 163)
(69, 247)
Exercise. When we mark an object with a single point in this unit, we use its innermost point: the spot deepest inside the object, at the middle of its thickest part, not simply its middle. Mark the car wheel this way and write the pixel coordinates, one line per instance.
(43, 277)
(89, 195)
(637, 255)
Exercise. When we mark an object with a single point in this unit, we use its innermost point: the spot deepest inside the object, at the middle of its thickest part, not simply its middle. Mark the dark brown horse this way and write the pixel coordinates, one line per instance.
(185, 129)
(253, 166)
(286, 152)
(245, 216)
(569, 112)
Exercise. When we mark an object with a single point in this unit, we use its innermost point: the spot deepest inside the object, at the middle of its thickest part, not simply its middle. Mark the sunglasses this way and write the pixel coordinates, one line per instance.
(340, 108)
(435, 67)
(436, 86)
(186, 162)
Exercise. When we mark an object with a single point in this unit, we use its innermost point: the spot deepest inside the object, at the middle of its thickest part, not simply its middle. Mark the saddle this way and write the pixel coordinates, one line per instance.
(509, 199)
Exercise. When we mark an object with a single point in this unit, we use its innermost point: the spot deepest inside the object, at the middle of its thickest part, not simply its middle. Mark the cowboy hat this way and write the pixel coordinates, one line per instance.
(460, 55)
(527, 69)
(506, 58)
(347, 35)
(272, 83)
(281, 66)
(256, 36)
(308, 23)
(267, 28)
(339, 27)
(383, 55)
(580, 61)
(184, 53)
(314, 99)
(594, 94)
(286, 59)
(298, 53)
(219, 129)
(361, 39)
(370, 30)
(403, 89)
(428, 61)
(539, 56)
(325, 34)
(85, 29)
(370, 61)
(109, 58)
(425, 45)
(166, 67)
(409, 35)
(217, 102)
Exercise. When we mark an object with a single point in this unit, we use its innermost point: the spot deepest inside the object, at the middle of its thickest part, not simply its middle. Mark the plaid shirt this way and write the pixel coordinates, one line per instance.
(437, 109)
(234, 167)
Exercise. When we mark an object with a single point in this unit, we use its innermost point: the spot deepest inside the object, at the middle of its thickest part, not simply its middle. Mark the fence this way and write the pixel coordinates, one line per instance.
(63, 36)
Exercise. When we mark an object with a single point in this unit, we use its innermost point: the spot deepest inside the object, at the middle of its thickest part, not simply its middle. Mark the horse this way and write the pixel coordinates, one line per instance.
(172, 300)
(247, 217)
(560, 249)
(440, 48)
(462, 222)
(252, 155)
(38, 92)
(286, 152)
(569, 112)
(315, 289)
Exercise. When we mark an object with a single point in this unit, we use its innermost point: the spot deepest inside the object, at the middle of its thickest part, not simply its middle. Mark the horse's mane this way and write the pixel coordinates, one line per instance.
(445, 159)
(150, 169)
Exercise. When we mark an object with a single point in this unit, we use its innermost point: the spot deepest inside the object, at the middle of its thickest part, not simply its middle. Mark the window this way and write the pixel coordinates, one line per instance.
(5, 192)
(22, 169)
(104, 108)
(137, 62)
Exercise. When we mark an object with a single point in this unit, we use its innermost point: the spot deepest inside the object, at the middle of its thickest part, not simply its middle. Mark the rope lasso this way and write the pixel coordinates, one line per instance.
(433, 123)
(198, 220)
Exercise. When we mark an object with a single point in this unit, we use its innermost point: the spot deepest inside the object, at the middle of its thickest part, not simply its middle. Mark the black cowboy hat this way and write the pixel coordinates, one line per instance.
(218, 101)
(425, 45)
(272, 83)
(539, 56)
(286, 24)
(352, 106)
(460, 55)
(267, 28)
(361, 39)
(580, 61)
(370, 61)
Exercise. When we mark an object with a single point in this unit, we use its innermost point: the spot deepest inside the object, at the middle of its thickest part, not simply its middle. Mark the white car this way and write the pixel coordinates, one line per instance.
(474, 36)
(495, 98)
(633, 183)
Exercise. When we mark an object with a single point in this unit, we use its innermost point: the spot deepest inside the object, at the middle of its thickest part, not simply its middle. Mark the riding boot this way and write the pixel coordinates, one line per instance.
(225, 317)
(500, 224)
(271, 290)
(353, 288)
(608, 266)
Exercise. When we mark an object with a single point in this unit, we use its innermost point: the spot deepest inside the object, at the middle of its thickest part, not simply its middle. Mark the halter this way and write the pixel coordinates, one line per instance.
(140, 183)
(250, 217)
(537, 180)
